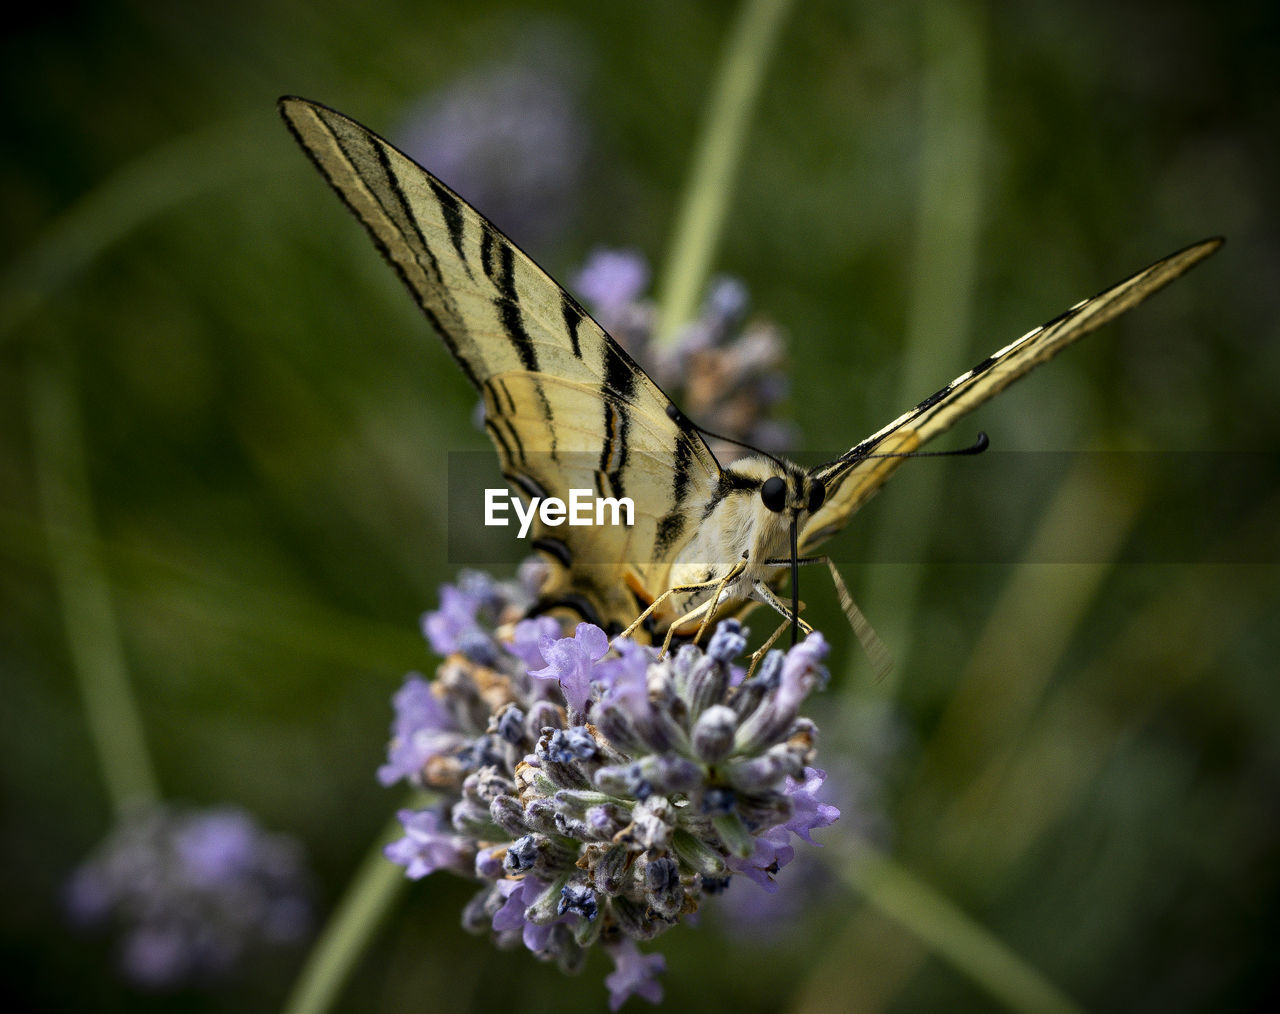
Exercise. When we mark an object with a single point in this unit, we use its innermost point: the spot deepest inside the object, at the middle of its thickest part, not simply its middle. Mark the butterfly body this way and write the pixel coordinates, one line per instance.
(567, 408)
(737, 533)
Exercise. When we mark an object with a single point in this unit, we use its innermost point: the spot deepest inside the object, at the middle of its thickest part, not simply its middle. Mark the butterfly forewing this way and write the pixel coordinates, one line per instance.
(856, 475)
(565, 406)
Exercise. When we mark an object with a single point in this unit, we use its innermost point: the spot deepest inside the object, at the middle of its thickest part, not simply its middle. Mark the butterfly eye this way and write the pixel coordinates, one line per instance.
(774, 494)
(817, 494)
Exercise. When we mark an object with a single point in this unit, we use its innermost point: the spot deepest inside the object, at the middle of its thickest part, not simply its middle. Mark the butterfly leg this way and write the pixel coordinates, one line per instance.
(693, 614)
(681, 589)
(765, 594)
(712, 602)
(763, 650)
(875, 648)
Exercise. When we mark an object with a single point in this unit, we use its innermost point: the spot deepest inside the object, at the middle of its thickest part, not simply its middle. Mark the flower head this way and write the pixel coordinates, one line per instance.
(601, 796)
(192, 890)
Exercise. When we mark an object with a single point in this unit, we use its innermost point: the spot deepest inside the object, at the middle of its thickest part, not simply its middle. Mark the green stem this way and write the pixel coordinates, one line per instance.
(161, 178)
(701, 217)
(369, 897)
(949, 195)
(952, 934)
(93, 636)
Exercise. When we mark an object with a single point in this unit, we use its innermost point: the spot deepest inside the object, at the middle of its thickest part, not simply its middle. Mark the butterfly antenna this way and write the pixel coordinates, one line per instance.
(980, 444)
(677, 416)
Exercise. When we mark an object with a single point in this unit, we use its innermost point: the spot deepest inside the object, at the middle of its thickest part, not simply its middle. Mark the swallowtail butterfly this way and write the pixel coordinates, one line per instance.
(567, 408)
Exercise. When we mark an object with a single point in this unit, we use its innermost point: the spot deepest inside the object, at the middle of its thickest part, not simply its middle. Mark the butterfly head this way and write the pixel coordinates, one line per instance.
(784, 494)
(792, 494)
(776, 496)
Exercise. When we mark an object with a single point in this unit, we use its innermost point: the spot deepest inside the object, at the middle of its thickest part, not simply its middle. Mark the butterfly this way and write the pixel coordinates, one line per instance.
(567, 408)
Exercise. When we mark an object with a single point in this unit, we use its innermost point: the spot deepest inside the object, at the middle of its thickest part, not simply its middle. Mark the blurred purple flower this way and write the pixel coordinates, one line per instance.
(422, 729)
(526, 644)
(634, 974)
(191, 891)
(511, 139)
(611, 278)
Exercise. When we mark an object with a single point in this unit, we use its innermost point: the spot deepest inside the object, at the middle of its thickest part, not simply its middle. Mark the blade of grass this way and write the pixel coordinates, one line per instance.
(93, 636)
(953, 103)
(951, 933)
(369, 896)
(161, 178)
(705, 202)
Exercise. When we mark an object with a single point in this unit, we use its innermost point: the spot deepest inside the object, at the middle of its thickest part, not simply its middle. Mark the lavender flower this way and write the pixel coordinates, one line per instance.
(192, 891)
(872, 741)
(635, 973)
(726, 366)
(599, 796)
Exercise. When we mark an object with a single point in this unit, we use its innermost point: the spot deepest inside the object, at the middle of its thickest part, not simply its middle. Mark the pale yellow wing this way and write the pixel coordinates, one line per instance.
(629, 455)
(856, 475)
(566, 407)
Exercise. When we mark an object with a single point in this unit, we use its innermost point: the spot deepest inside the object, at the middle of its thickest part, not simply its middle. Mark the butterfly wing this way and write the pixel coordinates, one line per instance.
(565, 406)
(855, 476)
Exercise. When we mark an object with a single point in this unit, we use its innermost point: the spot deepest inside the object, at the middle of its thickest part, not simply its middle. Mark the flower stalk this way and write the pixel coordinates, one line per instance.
(93, 635)
(705, 201)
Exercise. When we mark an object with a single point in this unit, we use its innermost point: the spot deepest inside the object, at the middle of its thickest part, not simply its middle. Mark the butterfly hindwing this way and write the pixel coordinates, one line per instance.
(565, 406)
(856, 475)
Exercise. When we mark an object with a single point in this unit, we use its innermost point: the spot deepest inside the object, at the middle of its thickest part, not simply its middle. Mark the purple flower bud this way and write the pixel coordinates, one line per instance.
(511, 726)
(713, 733)
(663, 890)
(543, 715)
(508, 814)
(521, 855)
(568, 745)
(578, 899)
(727, 643)
(479, 647)
(800, 673)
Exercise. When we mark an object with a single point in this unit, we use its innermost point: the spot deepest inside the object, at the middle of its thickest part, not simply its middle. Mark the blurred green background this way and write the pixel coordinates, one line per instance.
(1081, 754)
